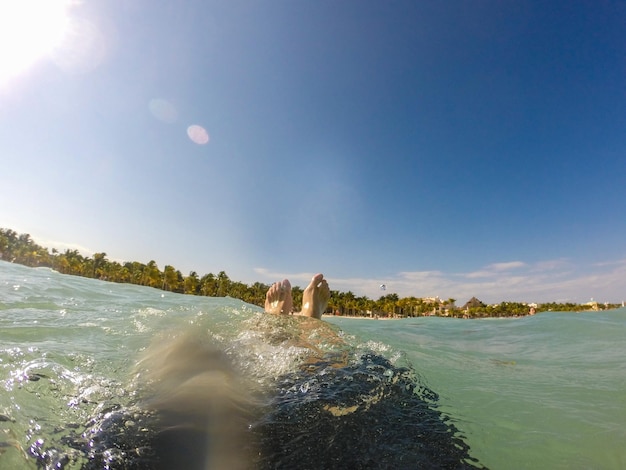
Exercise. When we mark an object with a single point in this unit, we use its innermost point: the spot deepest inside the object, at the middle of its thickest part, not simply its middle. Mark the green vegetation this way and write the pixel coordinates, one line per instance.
(21, 249)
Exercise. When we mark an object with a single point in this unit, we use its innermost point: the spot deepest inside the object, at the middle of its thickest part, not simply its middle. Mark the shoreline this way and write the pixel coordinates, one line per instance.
(357, 317)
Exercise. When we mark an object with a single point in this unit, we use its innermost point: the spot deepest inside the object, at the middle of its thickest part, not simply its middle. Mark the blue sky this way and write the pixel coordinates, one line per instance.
(440, 148)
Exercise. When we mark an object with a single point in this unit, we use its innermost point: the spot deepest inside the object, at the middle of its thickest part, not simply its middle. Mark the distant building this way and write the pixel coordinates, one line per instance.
(472, 303)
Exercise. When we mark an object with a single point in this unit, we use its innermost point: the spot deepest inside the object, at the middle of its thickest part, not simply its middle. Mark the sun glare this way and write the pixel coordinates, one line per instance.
(29, 30)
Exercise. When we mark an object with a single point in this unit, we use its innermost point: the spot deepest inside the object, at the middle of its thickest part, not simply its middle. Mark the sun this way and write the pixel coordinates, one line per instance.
(29, 30)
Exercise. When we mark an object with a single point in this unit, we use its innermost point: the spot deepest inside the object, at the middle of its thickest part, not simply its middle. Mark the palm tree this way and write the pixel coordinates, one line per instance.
(208, 285)
(170, 278)
(296, 295)
(75, 261)
(152, 275)
(6, 235)
(223, 284)
(117, 273)
(237, 290)
(256, 294)
(99, 265)
(192, 283)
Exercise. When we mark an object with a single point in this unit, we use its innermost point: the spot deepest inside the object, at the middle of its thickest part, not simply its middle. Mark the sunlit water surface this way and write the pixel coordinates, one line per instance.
(547, 391)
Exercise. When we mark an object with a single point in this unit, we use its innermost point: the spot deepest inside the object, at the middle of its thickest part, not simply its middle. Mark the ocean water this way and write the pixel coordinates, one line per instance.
(547, 391)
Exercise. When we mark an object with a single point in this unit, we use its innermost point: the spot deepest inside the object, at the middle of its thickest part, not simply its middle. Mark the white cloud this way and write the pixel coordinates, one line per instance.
(301, 279)
(479, 274)
(62, 246)
(506, 266)
(619, 263)
(550, 265)
(495, 269)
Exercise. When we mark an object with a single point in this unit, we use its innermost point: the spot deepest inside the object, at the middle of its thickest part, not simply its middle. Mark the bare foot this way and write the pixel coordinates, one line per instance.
(278, 298)
(315, 297)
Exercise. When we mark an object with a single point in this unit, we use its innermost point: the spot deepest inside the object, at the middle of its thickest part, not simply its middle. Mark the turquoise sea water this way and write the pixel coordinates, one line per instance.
(547, 391)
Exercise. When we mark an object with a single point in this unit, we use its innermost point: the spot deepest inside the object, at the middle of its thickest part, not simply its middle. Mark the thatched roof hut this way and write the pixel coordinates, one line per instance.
(472, 303)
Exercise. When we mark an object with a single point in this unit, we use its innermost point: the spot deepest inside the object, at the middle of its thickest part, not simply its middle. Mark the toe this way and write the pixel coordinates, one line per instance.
(317, 279)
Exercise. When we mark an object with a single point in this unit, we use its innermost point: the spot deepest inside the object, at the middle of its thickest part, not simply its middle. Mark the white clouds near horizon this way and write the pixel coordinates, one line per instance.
(544, 281)
(62, 246)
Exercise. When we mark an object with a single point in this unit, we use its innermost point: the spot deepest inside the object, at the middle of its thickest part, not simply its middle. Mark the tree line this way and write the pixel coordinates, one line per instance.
(21, 249)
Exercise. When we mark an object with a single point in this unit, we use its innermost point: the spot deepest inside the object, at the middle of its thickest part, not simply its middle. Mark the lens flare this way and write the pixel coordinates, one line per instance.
(163, 110)
(198, 134)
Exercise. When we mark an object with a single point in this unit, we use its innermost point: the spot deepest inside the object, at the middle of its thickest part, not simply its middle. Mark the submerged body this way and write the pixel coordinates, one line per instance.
(338, 409)
(201, 402)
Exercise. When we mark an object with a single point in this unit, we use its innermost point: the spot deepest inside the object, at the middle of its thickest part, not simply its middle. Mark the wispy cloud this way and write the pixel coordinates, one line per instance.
(506, 266)
(548, 280)
(495, 269)
(620, 262)
(62, 246)
(302, 278)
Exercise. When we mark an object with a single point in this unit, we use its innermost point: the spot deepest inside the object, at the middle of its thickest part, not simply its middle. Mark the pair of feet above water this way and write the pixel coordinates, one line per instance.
(315, 297)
